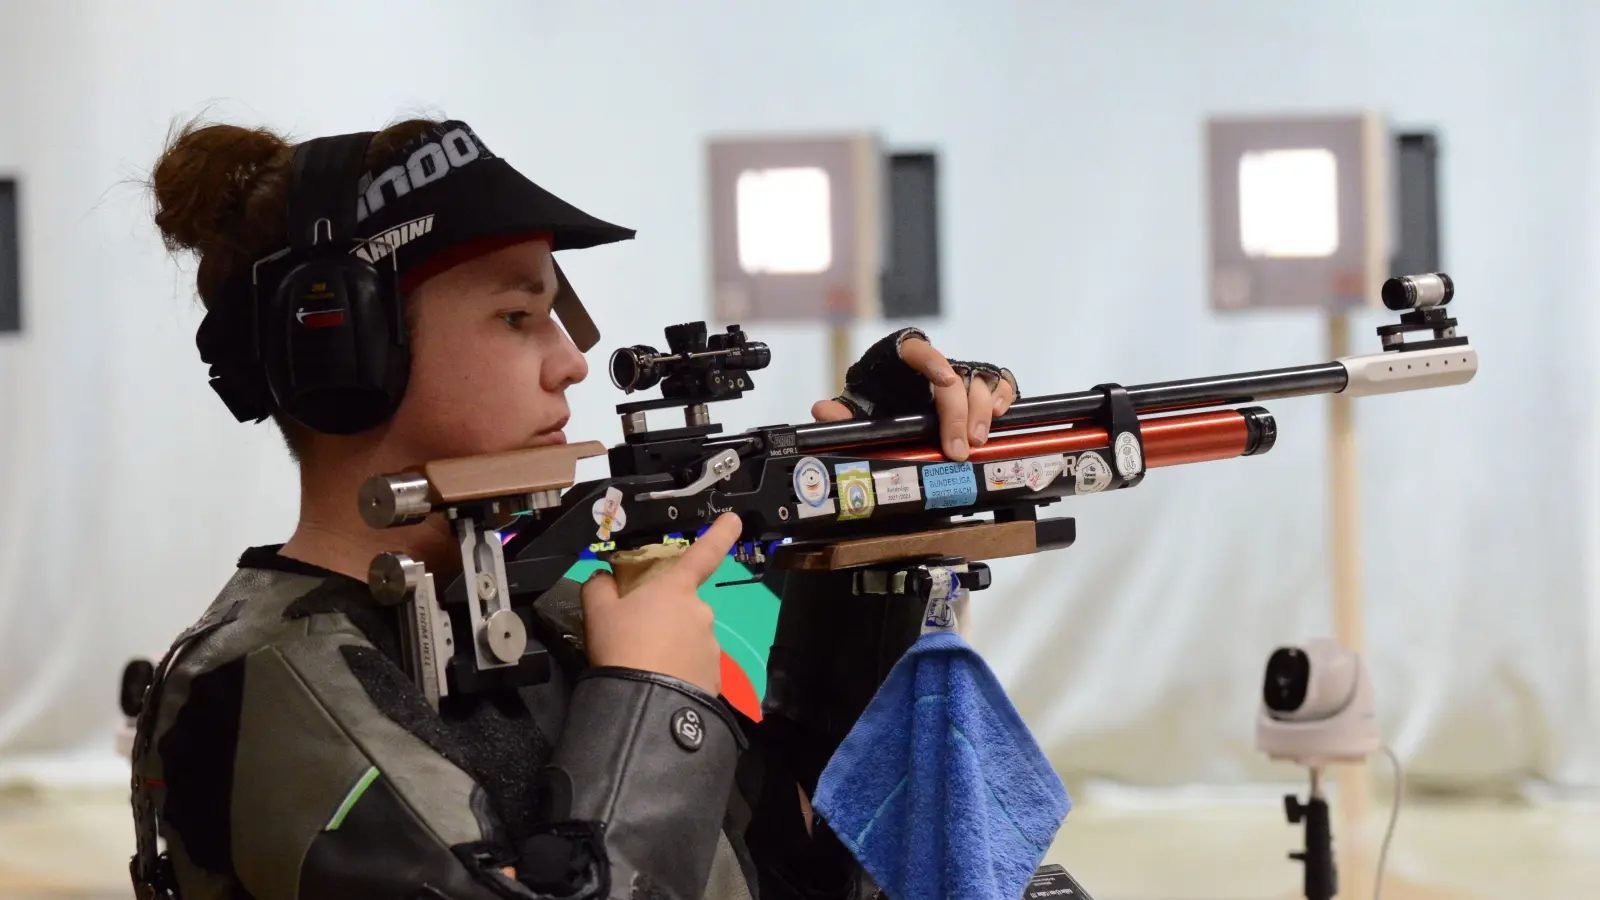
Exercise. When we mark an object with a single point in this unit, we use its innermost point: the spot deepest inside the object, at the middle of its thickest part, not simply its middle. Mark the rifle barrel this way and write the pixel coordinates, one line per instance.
(1062, 409)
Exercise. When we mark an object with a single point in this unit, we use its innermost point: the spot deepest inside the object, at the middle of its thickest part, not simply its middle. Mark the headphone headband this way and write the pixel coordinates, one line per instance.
(323, 176)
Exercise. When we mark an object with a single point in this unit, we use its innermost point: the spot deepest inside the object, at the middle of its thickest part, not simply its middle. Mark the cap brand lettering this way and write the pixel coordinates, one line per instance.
(380, 246)
(427, 164)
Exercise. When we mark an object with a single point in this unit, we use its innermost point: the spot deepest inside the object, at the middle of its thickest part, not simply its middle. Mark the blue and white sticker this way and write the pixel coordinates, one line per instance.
(811, 488)
(948, 485)
(811, 481)
(941, 612)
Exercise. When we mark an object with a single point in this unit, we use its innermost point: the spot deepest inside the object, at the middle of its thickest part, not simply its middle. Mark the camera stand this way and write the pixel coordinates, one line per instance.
(1322, 876)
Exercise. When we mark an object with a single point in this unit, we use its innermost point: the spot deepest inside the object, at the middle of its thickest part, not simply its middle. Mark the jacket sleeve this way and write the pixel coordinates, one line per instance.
(279, 772)
(651, 759)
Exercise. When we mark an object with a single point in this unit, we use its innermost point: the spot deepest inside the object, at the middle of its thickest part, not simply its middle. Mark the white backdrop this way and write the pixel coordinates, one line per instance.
(1070, 143)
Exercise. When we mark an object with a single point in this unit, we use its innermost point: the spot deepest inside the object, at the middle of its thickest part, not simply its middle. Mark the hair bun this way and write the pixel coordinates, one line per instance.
(202, 180)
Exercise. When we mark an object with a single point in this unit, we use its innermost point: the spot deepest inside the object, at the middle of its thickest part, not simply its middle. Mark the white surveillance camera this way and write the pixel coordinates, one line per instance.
(1317, 706)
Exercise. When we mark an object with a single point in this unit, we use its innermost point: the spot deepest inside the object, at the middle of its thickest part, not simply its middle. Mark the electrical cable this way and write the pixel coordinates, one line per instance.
(1394, 816)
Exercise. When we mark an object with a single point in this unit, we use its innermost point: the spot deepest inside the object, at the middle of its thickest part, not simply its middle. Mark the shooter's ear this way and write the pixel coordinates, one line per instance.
(574, 318)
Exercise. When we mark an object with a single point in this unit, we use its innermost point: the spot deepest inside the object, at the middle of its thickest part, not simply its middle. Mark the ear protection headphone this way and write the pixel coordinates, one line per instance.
(330, 331)
(316, 331)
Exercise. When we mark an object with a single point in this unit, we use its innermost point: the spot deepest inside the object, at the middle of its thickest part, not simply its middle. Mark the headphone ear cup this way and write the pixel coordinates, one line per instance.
(334, 345)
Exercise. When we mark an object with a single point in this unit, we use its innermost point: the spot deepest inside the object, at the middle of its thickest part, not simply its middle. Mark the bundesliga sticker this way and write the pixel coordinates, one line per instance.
(1130, 461)
(855, 490)
(948, 485)
(897, 486)
(609, 514)
(1093, 475)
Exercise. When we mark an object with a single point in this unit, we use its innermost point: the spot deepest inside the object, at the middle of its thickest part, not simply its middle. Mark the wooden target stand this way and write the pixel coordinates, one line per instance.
(1358, 840)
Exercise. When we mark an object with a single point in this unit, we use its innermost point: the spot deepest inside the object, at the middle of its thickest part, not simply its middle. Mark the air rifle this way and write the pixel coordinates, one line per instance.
(870, 496)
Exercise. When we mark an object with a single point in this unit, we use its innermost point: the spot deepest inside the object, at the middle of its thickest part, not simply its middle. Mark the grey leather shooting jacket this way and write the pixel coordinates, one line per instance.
(288, 756)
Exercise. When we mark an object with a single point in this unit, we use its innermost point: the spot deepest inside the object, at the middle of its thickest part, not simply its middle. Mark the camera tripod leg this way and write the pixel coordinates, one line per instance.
(1322, 876)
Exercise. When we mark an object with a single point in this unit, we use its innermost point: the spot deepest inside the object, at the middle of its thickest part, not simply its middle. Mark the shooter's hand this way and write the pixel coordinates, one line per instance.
(904, 374)
(662, 626)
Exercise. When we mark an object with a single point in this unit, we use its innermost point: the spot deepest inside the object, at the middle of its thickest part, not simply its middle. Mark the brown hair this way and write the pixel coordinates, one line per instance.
(222, 193)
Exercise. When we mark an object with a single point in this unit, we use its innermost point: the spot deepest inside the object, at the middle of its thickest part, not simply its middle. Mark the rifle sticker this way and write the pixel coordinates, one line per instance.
(897, 486)
(1004, 476)
(1034, 474)
(856, 498)
(948, 485)
(811, 485)
(940, 614)
(609, 514)
(1043, 470)
(1093, 474)
(807, 511)
(1130, 461)
(811, 482)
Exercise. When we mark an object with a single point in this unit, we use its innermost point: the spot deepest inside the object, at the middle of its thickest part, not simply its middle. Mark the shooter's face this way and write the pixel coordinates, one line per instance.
(490, 365)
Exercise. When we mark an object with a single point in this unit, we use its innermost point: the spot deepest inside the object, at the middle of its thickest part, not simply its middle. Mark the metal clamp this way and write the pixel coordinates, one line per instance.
(499, 635)
(425, 633)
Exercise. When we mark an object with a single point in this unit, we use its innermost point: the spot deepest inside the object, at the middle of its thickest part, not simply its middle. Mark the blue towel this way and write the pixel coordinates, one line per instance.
(940, 790)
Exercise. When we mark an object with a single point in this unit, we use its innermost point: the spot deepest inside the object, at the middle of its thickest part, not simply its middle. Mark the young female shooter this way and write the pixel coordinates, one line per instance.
(284, 753)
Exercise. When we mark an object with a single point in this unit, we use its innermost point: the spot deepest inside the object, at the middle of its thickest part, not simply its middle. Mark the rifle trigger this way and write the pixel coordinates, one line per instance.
(713, 470)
